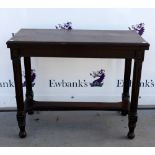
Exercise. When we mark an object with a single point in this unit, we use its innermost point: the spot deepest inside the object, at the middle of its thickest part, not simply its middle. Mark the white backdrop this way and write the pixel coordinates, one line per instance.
(59, 70)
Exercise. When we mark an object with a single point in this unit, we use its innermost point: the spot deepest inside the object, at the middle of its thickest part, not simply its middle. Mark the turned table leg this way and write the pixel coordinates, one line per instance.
(19, 96)
(126, 86)
(134, 97)
(29, 92)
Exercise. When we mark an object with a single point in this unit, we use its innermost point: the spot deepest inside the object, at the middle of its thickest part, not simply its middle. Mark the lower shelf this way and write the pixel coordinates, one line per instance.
(62, 106)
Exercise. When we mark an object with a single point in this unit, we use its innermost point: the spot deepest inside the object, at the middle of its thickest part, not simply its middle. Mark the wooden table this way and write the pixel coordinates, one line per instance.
(122, 44)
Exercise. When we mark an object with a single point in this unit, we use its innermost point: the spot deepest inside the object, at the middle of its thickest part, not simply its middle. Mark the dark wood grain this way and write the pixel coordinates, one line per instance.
(134, 97)
(126, 87)
(42, 106)
(29, 92)
(19, 96)
(51, 36)
(122, 44)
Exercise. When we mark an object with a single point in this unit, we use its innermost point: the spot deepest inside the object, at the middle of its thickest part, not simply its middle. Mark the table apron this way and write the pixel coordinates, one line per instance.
(75, 52)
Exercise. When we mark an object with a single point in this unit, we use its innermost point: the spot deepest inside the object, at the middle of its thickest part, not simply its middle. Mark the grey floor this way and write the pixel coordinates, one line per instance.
(88, 128)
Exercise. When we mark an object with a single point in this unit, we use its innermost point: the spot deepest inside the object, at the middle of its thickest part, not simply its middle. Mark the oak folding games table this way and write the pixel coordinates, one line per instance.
(118, 44)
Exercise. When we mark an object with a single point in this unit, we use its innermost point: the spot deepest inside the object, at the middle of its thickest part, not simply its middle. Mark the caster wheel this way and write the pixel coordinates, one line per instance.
(22, 134)
(131, 135)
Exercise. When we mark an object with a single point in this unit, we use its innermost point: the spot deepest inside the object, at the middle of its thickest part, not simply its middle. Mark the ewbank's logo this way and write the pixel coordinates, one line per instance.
(147, 83)
(33, 77)
(99, 75)
(10, 83)
(139, 28)
(98, 82)
(65, 26)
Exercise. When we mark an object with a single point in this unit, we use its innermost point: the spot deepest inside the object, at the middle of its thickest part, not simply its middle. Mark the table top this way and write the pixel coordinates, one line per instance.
(55, 36)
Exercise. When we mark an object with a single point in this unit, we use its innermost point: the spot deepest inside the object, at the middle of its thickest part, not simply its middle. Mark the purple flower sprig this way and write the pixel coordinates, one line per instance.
(65, 26)
(139, 28)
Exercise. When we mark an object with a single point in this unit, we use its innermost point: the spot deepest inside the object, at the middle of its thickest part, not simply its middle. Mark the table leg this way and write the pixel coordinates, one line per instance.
(134, 97)
(29, 92)
(125, 94)
(21, 116)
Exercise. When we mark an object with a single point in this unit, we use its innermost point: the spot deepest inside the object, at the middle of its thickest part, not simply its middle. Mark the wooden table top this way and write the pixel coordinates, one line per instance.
(55, 36)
